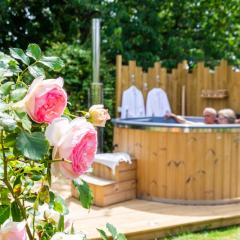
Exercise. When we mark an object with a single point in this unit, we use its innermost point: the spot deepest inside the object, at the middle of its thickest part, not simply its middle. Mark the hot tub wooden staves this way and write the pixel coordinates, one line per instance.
(189, 166)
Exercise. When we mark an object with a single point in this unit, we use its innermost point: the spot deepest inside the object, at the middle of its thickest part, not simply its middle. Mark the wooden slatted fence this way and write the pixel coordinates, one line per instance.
(202, 87)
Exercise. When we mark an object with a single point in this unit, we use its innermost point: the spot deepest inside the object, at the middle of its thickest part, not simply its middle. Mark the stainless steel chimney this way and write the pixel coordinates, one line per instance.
(96, 87)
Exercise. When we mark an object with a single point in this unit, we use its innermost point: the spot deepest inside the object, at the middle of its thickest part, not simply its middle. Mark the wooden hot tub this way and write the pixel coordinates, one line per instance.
(197, 164)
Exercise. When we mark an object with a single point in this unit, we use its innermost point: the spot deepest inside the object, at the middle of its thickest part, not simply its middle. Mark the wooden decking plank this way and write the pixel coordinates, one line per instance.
(143, 220)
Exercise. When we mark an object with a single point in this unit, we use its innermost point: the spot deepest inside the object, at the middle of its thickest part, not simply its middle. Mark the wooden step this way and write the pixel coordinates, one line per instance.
(108, 192)
(123, 172)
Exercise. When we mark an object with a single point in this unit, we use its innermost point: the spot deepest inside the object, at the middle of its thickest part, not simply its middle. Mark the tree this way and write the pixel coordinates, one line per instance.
(147, 31)
(172, 31)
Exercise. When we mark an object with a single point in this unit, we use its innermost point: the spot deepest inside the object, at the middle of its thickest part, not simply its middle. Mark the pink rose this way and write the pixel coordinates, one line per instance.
(74, 141)
(45, 100)
(98, 115)
(13, 231)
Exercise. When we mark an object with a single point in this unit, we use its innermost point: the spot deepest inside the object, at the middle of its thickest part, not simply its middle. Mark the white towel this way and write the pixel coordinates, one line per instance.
(157, 103)
(132, 103)
(112, 160)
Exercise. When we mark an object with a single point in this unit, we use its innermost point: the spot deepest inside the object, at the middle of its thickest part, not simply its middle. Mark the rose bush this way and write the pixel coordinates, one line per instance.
(36, 139)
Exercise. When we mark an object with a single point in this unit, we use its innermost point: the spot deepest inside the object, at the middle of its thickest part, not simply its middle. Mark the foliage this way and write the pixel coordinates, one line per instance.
(172, 31)
(85, 194)
(147, 31)
(76, 74)
(25, 158)
(113, 231)
(23, 152)
(43, 21)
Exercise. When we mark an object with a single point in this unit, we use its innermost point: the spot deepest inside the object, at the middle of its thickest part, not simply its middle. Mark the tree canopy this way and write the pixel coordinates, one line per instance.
(150, 30)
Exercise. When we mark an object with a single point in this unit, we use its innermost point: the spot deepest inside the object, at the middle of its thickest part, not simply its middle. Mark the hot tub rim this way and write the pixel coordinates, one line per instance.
(143, 124)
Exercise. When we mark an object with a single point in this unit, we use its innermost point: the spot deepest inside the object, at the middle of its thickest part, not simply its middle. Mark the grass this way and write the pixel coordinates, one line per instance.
(230, 233)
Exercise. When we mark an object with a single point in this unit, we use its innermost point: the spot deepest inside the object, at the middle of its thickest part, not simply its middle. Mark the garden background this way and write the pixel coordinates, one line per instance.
(146, 31)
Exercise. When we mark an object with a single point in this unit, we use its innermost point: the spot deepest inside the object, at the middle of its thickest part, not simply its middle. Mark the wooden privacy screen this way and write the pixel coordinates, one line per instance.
(202, 87)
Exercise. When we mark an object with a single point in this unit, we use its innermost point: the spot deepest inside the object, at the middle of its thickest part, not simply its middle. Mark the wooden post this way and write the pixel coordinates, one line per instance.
(183, 100)
(118, 83)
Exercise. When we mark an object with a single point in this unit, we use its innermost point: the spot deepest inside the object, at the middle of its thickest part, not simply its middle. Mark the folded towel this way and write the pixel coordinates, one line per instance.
(112, 160)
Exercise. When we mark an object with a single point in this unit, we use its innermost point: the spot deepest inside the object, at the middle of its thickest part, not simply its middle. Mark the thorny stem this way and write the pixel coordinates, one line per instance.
(34, 216)
(7, 183)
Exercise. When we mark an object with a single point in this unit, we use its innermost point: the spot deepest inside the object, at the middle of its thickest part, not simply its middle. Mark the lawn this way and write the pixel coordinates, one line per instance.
(230, 233)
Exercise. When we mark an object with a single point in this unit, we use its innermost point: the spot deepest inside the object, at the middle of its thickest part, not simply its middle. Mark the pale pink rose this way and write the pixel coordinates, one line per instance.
(45, 100)
(98, 115)
(13, 231)
(74, 141)
(64, 236)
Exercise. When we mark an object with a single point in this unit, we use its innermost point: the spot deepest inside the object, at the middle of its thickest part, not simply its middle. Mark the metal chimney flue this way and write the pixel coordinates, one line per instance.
(96, 86)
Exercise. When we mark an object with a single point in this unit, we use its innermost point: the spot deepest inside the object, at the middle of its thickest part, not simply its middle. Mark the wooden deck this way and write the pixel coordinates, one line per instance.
(143, 220)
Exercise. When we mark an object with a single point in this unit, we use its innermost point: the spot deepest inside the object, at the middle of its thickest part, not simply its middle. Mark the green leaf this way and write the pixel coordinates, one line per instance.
(17, 180)
(33, 146)
(43, 194)
(3, 106)
(18, 53)
(4, 196)
(16, 212)
(55, 63)
(31, 198)
(18, 94)
(60, 226)
(24, 119)
(8, 66)
(112, 230)
(52, 198)
(36, 204)
(7, 122)
(6, 88)
(26, 123)
(34, 51)
(33, 169)
(13, 66)
(4, 73)
(66, 111)
(102, 234)
(36, 71)
(72, 230)
(10, 140)
(121, 236)
(60, 205)
(85, 193)
(4, 213)
(36, 177)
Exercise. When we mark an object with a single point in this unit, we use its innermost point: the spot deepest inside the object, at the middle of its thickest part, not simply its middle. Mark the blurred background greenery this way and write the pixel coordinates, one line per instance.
(147, 31)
